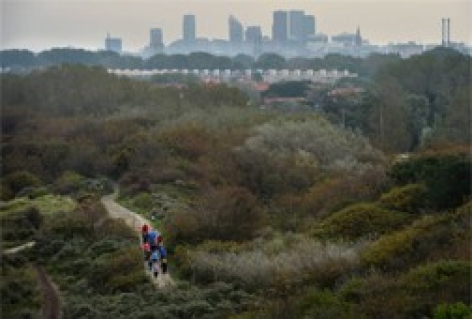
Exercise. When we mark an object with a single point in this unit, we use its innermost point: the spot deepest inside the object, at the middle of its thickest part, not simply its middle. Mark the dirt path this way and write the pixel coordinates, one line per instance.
(135, 221)
(51, 303)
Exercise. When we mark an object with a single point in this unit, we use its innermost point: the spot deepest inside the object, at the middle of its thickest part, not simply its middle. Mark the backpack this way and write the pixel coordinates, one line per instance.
(152, 237)
(162, 252)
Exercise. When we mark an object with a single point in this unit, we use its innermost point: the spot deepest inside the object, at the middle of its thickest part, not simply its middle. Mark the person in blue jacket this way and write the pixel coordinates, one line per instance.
(152, 236)
(164, 261)
(155, 256)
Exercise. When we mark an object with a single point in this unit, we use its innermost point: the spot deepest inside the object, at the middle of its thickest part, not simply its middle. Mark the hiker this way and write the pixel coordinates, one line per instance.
(146, 251)
(145, 229)
(164, 262)
(156, 269)
(159, 238)
(155, 256)
(152, 236)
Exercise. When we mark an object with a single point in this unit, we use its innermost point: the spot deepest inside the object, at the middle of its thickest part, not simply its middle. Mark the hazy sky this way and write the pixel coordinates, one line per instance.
(42, 24)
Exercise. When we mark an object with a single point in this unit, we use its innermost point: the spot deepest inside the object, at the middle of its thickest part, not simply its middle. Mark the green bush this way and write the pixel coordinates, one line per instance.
(18, 288)
(68, 226)
(15, 182)
(434, 283)
(118, 271)
(413, 294)
(360, 220)
(438, 278)
(305, 303)
(69, 182)
(458, 310)
(143, 201)
(20, 227)
(408, 198)
(322, 304)
(447, 177)
(442, 236)
(33, 192)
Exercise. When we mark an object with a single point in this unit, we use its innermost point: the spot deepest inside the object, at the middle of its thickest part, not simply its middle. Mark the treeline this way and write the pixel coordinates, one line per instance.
(408, 103)
(24, 59)
(74, 90)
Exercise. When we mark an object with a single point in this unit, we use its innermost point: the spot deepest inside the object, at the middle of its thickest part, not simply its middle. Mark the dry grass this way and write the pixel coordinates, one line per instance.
(291, 258)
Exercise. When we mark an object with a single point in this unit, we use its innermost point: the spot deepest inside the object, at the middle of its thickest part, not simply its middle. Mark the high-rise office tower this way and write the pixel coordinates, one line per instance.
(358, 38)
(253, 36)
(156, 42)
(189, 28)
(309, 26)
(236, 30)
(297, 25)
(445, 41)
(280, 26)
(113, 44)
(156, 38)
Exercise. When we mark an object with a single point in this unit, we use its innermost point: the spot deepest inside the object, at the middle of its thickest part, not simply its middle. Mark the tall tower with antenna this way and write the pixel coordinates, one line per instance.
(445, 32)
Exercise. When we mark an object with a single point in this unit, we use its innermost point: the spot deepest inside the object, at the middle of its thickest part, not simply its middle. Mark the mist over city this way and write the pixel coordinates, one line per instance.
(308, 28)
(293, 33)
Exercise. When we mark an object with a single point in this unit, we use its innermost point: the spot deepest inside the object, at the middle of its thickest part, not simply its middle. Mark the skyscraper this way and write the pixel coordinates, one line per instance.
(113, 44)
(280, 26)
(156, 43)
(297, 25)
(253, 36)
(189, 28)
(156, 38)
(445, 41)
(358, 38)
(309, 26)
(236, 30)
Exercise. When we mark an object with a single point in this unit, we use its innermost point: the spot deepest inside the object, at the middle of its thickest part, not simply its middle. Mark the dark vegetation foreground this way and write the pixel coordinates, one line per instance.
(266, 213)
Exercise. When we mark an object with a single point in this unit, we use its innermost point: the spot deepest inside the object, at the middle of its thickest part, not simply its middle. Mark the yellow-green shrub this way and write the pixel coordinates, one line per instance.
(361, 220)
(407, 198)
(69, 182)
(414, 294)
(431, 284)
(458, 310)
(16, 181)
(442, 236)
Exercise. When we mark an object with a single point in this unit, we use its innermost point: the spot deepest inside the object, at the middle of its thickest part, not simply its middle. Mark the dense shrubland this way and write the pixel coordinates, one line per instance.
(266, 214)
(19, 289)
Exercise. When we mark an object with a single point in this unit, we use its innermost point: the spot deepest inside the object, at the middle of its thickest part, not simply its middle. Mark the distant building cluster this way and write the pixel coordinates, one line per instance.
(293, 33)
(224, 76)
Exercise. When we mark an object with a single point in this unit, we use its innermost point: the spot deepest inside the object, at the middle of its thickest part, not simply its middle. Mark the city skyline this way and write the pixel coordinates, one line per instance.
(41, 24)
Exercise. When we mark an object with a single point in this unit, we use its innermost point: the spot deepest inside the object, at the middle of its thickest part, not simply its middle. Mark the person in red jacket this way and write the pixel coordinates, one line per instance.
(146, 251)
(145, 229)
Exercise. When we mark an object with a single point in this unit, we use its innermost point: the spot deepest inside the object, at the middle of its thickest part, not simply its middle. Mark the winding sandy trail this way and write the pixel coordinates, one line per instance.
(50, 298)
(51, 303)
(135, 221)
